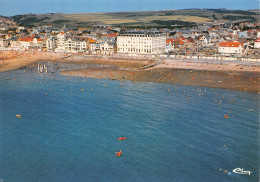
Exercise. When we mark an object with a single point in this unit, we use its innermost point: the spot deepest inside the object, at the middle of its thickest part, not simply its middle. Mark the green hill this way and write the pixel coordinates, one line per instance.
(187, 17)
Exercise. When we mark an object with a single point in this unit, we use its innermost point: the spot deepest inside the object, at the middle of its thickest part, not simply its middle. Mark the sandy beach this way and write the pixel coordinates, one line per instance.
(228, 76)
(209, 66)
(11, 60)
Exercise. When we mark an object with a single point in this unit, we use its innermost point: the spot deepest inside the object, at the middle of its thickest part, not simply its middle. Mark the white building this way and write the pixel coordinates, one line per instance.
(2, 43)
(141, 43)
(204, 40)
(81, 46)
(72, 45)
(230, 48)
(106, 47)
(29, 42)
(257, 43)
(51, 43)
(169, 45)
(94, 48)
(61, 42)
(258, 34)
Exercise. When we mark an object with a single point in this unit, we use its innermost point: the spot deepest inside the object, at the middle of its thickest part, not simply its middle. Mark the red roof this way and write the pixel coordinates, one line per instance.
(91, 40)
(111, 35)
(175, 41)
(26, 39)
(200, 37)
(182, 38)
(29, 39)
(190, 40)
(179, 41)
(169, 41)
(257, 40)
(229, 44)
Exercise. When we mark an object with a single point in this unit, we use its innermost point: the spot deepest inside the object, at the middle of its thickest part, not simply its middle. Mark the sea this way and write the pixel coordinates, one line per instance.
(69, 129)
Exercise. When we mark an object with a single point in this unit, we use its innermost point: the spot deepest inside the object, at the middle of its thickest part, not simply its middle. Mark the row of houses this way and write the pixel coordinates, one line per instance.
(108, 40)
(138, 43)
(63, 43)
(215, 40)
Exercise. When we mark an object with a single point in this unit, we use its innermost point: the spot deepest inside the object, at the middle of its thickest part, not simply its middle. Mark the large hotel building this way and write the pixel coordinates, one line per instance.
(141, 43)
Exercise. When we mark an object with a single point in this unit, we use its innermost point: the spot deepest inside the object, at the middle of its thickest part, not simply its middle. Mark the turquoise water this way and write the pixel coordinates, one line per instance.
(174, 132)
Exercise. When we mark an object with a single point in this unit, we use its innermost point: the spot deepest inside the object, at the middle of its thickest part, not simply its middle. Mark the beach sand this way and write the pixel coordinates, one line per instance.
(209, 66)
(227, 76)
(11, 60)
(213, 79)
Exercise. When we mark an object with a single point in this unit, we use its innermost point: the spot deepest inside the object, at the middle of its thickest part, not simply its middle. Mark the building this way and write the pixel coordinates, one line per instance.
(257, 43)
(106, 47)
(51, 43)
(141, 43)
(230, 48)
(94, 48)
(258, 35)
(29, 43)
(74, 45)
(204, 40)
(61, 42)
(4, 43)
(169, 45)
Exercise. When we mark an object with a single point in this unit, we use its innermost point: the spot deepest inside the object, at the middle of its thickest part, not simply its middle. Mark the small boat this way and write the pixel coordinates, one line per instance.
(225, 116)
(18, 115)
(121, 138)
(119, 153)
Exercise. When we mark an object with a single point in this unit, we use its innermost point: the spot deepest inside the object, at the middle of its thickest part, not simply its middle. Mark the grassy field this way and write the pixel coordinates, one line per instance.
(98, 17)
(107, 19)
(144, 18)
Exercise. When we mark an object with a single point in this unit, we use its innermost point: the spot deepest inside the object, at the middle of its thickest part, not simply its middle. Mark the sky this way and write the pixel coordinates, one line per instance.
(16, 7)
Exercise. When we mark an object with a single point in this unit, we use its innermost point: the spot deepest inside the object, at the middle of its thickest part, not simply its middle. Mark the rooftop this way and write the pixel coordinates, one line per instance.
(257, 40)
(229, 44)
(140, 33)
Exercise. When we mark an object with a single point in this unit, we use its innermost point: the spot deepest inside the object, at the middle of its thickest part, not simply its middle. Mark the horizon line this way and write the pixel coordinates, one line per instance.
(131, 11)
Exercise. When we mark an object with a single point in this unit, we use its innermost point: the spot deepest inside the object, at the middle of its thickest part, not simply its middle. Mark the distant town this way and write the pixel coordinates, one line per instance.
(225, 41)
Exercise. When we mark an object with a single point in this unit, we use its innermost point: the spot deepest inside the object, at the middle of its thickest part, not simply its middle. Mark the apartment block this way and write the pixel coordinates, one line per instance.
(141, 43)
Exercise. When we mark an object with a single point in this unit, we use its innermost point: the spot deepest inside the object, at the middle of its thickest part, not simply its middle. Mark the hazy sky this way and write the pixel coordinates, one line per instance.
(15, 7)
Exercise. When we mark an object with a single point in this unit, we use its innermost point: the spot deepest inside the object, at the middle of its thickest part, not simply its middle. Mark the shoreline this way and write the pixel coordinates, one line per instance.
(12, 60)
(181, 72)
(212, 79)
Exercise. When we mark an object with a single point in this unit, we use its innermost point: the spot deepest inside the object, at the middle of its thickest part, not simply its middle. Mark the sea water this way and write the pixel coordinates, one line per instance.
(174, 132)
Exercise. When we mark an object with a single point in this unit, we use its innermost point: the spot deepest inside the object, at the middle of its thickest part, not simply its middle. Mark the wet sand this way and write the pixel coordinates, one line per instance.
(209, 66)
(214, 79)
(227, 76)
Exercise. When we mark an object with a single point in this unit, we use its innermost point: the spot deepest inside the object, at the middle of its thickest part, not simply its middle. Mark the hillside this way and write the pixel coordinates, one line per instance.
(165, 18)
